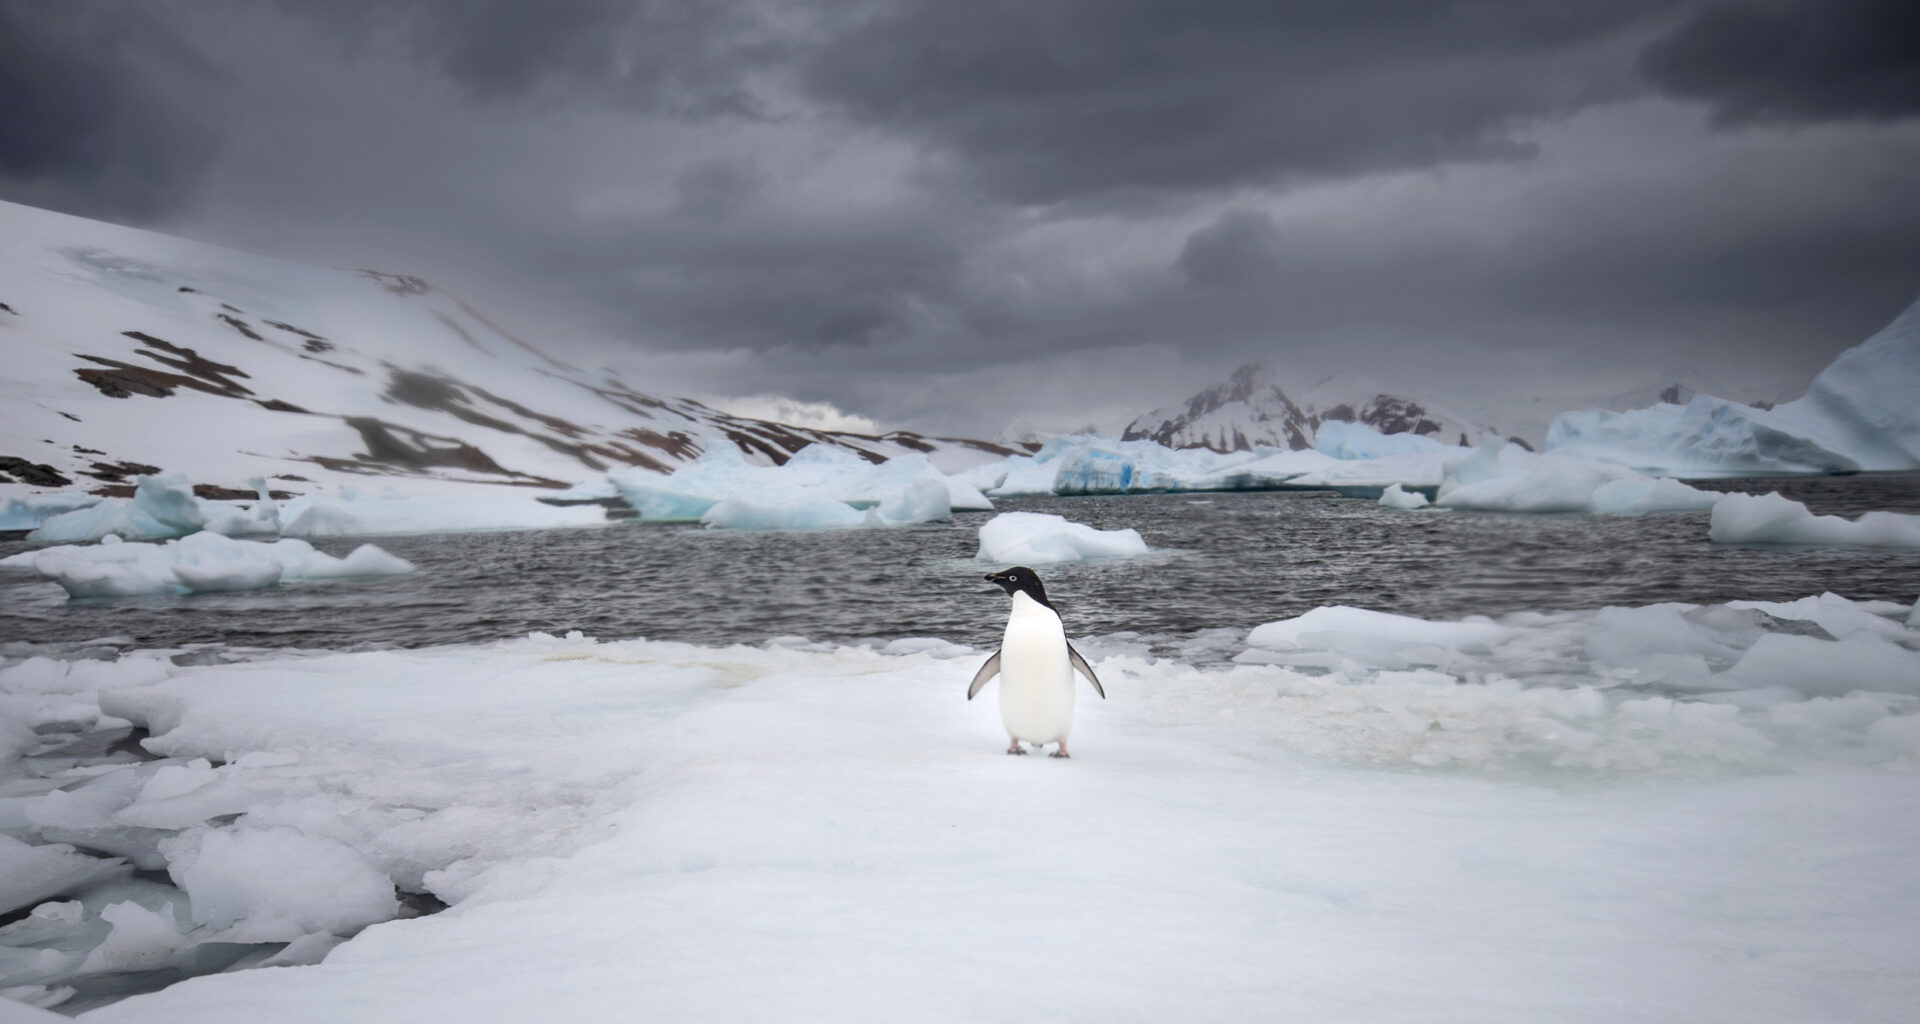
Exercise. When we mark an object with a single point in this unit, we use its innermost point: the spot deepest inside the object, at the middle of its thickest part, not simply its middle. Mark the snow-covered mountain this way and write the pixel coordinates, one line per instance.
(130, 352)
(1253, 407)
(1859, 413)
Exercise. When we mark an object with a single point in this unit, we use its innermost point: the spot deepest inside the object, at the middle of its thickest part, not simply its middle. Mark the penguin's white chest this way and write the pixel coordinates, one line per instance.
(1036, 679)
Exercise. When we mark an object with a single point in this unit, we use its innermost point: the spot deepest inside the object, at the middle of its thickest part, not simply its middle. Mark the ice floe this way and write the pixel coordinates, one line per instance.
(197, 563)
(1413, 808)
(1034, 538)
(1774, 519)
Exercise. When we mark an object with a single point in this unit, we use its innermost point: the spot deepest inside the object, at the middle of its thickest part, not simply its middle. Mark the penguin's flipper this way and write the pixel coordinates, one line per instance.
(987, 671)
(1080, 664)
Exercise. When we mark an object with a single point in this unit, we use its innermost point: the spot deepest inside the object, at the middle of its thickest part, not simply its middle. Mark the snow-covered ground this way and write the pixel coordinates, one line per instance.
(1369, 818)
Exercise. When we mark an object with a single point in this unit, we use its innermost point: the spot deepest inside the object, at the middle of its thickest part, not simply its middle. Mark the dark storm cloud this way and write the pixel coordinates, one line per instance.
(1055, 100)
(671, 56)
(776, 282)
(90, 119)
(1238, 250)
(1794, 60)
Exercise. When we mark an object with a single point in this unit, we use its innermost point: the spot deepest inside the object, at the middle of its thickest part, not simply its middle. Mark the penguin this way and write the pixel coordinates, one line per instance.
(1035, 664)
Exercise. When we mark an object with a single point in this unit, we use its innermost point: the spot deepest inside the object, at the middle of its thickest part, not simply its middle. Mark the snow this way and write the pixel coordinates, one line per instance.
(1514, 819)
(1035, 538)
(198, 563)
(1858, 413)
(1774, 519)
(818, 488)
(1395, 497)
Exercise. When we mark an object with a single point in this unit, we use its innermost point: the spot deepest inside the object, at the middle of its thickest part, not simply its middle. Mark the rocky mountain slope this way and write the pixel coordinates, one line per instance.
(1254, 407)
(130, 352)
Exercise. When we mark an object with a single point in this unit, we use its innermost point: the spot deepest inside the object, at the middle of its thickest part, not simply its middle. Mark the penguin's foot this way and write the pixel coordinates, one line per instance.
(1062, 752)
(1016, 748)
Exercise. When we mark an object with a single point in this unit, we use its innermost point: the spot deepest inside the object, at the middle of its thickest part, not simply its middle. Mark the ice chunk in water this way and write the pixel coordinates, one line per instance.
(1032, 538)
(276, 884)
(29, 874)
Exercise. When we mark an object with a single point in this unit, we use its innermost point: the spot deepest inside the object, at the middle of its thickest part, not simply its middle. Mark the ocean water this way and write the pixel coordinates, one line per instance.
(1221, 561)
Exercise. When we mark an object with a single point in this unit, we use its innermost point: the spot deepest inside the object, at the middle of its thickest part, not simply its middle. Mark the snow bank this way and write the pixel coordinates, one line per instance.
(1501, 477)
(1034, 538)
(729, 828)
(818, 488)
(1859, 413)
(198, 563)
(1774, 519)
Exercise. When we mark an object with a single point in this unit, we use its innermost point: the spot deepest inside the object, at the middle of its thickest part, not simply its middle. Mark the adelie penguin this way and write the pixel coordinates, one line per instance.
(1035, 664)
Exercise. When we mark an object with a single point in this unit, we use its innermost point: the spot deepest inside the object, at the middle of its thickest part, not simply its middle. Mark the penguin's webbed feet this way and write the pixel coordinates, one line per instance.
(1062, 752)
(1016, 748)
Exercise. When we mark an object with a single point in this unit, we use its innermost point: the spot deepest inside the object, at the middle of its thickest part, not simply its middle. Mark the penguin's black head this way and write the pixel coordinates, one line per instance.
(1020, 580)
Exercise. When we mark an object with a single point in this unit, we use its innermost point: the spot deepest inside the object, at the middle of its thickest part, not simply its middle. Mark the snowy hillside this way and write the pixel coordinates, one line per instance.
(1253, 407)
(130, 352)
(1859, 413)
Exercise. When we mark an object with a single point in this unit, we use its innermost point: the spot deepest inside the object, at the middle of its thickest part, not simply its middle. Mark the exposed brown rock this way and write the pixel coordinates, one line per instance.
(240, 325)
(39, 474)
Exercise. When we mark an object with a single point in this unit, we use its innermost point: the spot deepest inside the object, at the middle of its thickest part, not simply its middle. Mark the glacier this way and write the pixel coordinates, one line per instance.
(1858, 414)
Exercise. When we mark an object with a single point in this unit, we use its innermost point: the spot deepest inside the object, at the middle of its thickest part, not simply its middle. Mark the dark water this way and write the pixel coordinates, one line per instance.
(1226, 560)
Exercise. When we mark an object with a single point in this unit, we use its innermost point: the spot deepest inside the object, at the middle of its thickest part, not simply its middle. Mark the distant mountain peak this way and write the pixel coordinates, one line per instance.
(1254, 407)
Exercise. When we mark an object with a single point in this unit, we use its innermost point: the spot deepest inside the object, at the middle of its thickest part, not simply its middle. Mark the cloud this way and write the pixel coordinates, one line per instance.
(1794, 61)
(91, 119)
(1238, 250)
(675, 57)
(1044, 102)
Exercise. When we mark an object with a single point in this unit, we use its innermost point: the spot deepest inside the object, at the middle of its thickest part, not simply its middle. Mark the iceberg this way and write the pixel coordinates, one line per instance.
(351, 514)
(27, 512)
(1499, 477)
(1395, 497)
(1080, 464)
(1774, 519)
(1344, 440)
(820, 487)
(1035, 538)
(1858, 414)
(202, 562)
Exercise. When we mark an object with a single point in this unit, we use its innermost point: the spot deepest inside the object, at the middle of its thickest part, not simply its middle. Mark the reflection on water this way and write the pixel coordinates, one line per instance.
(1224, 561)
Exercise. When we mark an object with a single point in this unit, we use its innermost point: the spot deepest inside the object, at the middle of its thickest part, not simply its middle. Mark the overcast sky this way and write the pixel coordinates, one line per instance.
(945, 215)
